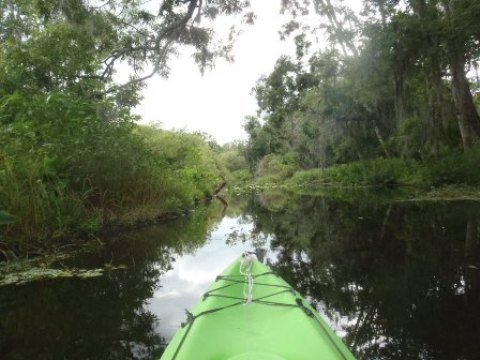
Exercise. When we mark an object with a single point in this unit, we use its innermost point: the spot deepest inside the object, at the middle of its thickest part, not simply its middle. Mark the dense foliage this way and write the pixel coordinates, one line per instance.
(71, 156)
(398, 80)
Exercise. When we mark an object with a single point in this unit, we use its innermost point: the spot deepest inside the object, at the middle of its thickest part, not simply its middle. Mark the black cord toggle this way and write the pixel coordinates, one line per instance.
(305, 309)
(190, 318)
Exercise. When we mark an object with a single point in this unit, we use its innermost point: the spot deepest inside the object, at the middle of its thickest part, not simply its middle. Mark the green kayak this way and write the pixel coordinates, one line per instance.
(249, 313)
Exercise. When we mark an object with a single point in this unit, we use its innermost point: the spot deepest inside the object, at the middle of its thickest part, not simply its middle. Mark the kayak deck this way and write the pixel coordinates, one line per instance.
(278, 324)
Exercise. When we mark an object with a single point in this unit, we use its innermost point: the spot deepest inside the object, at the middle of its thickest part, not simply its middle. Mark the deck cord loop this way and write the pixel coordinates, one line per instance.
(261, 300)
(189, 319)
(246, 270)
(305, 309)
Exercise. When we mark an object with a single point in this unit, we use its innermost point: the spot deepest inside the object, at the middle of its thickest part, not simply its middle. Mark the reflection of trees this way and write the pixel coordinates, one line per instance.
(405, 275)
(104, 317)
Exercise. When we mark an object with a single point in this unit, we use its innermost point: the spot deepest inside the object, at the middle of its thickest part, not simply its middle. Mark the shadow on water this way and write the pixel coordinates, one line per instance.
(397, 280)
(400, 279)
(104, 317)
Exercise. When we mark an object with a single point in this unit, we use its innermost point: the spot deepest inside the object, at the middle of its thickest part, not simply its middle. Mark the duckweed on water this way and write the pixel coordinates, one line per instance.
(36, 274)
(23, 272)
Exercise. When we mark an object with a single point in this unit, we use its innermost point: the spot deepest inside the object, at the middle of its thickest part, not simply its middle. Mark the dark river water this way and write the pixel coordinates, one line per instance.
(395, 279)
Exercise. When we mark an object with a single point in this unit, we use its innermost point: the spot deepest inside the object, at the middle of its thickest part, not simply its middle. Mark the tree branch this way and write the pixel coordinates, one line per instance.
(169, 34)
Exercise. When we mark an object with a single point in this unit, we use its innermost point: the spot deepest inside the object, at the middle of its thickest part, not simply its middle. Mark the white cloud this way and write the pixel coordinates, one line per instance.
(218, 102)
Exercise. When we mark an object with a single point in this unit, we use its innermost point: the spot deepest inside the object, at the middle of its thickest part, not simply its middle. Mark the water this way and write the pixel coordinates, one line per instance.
(397, 280)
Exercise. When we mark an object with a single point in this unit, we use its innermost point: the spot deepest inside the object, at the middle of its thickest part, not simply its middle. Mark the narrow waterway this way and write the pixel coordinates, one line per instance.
(396, 280)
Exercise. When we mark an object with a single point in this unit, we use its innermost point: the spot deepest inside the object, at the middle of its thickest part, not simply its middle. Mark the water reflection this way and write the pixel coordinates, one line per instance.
(192, 274)
(398, 280)
(402, 278)
(101, 318)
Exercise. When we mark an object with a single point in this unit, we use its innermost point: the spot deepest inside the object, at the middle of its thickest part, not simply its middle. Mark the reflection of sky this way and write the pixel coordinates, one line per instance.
(192, 274)
(182, 287)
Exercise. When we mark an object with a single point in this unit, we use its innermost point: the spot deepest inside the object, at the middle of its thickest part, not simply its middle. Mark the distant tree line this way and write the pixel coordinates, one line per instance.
(399, 79)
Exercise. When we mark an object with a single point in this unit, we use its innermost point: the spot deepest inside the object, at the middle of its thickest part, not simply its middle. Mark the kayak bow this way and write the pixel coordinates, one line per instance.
(249, 313)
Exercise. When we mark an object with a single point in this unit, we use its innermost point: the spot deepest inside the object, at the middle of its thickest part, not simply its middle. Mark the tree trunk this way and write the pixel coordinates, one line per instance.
(436, 99)
(380, 139)
(467, 116)
(399, 98)
(468, 119)
(433, 70)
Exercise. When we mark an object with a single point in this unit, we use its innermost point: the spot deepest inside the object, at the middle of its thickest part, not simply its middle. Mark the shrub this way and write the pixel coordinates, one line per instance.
(275, 168)
(458, 168)
(377, 172)
(65, 167)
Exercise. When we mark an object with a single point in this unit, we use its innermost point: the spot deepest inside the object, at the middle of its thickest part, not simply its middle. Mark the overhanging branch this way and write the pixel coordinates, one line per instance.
(158, 47)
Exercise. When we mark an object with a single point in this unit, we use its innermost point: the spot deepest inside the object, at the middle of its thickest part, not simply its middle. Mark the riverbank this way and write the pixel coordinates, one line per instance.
(127, 177)
(64, 259)
(73, 242)
(454, 176)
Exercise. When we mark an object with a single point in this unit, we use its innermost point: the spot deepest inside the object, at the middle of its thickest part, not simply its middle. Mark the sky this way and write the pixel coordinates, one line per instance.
(217, 102)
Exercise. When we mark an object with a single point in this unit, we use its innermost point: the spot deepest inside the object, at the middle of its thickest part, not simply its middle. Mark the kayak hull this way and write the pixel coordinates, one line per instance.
(278, 324)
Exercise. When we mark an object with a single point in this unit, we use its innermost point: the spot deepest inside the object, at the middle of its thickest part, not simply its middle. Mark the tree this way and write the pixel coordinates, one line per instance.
(70, 157)
(462, 46)
(391, 81)
(110, 33)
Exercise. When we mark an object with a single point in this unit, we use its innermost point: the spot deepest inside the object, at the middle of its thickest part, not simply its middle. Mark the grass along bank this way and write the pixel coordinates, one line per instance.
(73, 178)
(457, 174)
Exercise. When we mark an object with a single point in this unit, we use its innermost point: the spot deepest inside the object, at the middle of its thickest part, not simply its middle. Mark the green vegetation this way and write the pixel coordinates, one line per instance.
(232, 158)
(184, 234)
(388, 101)
(80, 184)
(71, 157)
(273, 168)
(454, 169)
(187, 162)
